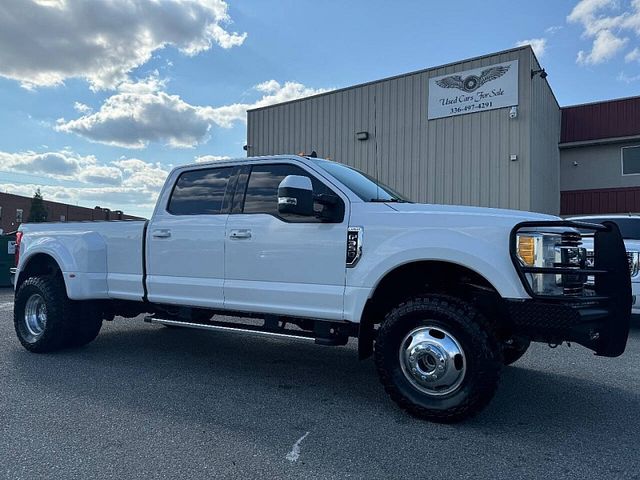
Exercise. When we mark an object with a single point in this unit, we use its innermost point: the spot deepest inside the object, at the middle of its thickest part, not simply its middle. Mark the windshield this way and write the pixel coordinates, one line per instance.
(360, 183)
(629, 227)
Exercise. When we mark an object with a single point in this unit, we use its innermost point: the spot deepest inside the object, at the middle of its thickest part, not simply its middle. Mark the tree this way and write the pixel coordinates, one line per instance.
(38, 211)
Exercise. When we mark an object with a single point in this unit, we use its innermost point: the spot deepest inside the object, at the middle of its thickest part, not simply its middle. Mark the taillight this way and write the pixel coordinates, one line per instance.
(18, 240)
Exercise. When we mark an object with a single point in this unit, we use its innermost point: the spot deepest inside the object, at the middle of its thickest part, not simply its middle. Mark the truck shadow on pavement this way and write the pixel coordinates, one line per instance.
(241, 382)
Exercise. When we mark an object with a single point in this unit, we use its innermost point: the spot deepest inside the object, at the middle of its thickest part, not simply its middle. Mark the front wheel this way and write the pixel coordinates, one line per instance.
(515, 349)
(438, 358)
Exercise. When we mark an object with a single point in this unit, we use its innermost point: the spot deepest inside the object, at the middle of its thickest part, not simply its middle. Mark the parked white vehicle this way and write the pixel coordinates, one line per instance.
(442, 296)
(629, 226)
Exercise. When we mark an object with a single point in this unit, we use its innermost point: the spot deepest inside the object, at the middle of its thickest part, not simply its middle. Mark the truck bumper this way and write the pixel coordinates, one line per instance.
(599, 326)
(600, 316)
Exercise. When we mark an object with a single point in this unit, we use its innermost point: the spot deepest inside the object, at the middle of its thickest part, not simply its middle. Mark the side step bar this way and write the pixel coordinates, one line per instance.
(256, 330)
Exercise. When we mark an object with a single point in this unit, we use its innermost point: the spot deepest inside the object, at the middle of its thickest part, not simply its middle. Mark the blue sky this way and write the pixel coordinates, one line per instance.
(100, 99)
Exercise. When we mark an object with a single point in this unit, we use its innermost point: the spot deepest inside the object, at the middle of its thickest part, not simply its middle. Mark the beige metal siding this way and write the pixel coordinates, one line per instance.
(598, 166)
(545, 127)
(456, 160)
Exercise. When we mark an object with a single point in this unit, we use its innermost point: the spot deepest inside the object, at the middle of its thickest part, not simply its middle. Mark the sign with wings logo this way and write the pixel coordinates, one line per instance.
(471, 91)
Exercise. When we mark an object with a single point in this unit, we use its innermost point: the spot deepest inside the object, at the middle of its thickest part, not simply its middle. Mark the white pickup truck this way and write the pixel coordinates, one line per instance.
(629, 226)
(442, 296)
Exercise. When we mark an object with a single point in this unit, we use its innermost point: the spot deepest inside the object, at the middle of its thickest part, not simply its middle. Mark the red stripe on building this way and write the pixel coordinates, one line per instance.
(604, 200)
(595, 121)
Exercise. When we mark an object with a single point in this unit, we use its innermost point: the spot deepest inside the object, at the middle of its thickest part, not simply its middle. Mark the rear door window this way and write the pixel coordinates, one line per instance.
(200, 192)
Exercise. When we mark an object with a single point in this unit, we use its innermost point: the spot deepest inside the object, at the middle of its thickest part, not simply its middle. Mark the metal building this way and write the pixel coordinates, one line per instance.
(600, 157)
(483, 131)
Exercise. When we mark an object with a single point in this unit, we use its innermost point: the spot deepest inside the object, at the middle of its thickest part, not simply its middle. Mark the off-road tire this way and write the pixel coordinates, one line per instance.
(513, 353)
(68, 323)
(51, 289)
(85, 324)
(474, 333)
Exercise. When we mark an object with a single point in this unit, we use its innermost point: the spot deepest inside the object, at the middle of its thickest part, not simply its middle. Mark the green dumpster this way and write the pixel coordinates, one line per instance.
(7, 258)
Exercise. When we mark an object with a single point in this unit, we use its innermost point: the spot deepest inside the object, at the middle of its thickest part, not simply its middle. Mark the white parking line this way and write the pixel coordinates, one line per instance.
(6, 306)
(294, 454)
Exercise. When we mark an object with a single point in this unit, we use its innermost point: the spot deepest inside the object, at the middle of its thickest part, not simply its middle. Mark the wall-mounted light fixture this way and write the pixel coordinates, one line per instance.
(513, 157)
(513, 112)
(362, 136)
(540, 72)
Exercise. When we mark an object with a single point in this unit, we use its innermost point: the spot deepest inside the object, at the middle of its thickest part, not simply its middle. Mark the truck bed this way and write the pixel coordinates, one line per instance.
(103, 259)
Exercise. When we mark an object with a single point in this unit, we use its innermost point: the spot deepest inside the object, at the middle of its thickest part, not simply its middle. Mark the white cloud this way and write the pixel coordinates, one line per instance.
(132, 119)
(124, 182)
(60, 165)
(606, 24)
(553, 29)
(101, 175)
(69, 166)
(140, 173)
(539, 45)
(606, 45)
(633, 55)
(82, 108)
(132, 201)
(274, 92)
(142, 112)
(151, 84)
(623, 77)
(43, 43)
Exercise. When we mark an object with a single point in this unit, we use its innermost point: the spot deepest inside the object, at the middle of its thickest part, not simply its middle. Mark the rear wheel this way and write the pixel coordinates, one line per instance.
(46, 320)
(40, 314)
(85, 325)
(438, 358)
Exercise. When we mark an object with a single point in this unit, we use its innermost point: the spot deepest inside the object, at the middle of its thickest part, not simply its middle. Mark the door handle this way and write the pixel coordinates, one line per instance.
(240, 234)
(161, 233)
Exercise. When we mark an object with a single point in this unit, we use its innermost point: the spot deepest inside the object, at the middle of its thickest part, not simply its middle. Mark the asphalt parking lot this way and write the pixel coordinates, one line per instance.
(147, 401)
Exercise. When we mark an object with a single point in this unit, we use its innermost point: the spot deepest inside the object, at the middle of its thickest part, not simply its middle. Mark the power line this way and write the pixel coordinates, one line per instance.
(32, 181)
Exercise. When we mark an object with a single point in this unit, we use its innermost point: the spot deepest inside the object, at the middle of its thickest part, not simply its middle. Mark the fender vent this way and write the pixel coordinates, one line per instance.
(354, 245)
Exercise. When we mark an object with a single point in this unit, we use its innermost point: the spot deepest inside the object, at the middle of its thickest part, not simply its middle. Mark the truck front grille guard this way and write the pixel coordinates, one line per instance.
(609, 272)
(611, 288)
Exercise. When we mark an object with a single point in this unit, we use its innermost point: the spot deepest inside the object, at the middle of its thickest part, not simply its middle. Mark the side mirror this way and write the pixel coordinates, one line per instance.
(295, 195)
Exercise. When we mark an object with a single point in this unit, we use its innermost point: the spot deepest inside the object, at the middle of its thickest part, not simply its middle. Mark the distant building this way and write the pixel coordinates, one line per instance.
(14, 210)
(600, 157)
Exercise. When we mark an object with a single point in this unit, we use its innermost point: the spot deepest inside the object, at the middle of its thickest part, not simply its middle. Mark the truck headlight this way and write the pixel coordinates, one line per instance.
(550, 250)
(538, 249)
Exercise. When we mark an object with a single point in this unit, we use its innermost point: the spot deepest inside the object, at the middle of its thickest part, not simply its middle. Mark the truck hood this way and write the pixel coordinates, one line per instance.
(516, 216)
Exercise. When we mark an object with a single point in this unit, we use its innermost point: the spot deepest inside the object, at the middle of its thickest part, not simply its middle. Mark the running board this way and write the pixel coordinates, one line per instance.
(256, 330)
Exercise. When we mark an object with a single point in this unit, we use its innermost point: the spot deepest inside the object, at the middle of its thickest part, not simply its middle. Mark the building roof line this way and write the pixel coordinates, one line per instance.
(394, 77)
(598, 102)
(598, 141)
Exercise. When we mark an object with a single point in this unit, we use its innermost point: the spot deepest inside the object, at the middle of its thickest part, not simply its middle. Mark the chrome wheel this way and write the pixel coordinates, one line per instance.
(432, 360)
(35, 315)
